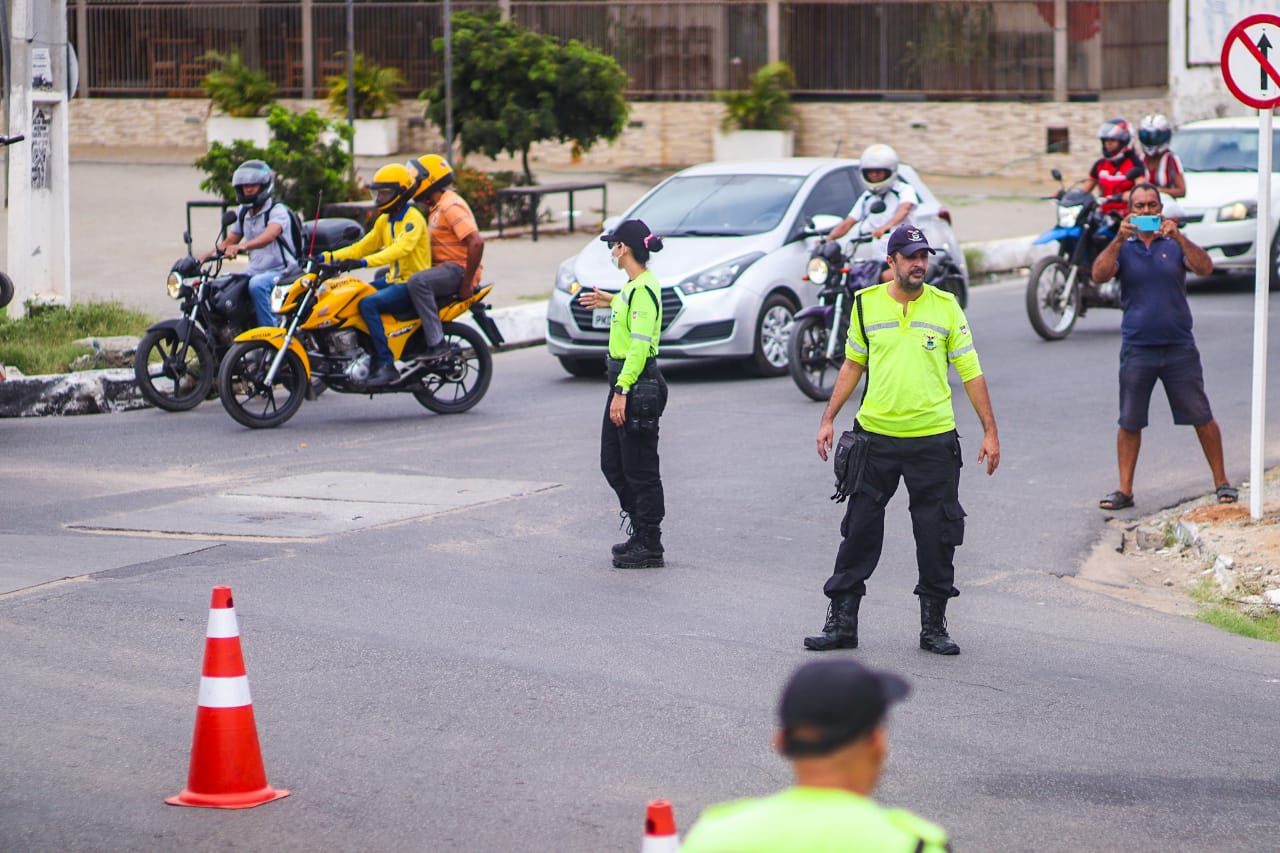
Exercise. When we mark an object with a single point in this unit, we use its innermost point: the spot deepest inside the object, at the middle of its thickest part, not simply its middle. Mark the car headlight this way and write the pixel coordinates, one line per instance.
(174, 285)
(565, 278)
(279, 294)
(818, 270)
(1067, 216)
(721, 275)
(1237, 210)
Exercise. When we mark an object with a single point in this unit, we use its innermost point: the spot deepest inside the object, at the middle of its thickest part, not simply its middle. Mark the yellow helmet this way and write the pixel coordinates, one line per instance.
(392, 187)
(432, 172)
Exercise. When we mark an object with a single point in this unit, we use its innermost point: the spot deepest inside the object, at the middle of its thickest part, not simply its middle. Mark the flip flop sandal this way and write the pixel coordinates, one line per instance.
(1116, 500)
(1228, 494)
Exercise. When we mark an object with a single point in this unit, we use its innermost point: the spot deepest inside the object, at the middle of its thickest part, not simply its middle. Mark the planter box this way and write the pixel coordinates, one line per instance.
(753, 144)
(375, 137)
(226, 130)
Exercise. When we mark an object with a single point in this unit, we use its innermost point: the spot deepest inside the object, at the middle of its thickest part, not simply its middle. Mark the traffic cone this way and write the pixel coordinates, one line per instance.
(660, 829)
(226, 762)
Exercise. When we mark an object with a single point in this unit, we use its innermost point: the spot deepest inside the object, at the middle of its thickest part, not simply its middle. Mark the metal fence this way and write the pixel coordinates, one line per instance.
(686, 49)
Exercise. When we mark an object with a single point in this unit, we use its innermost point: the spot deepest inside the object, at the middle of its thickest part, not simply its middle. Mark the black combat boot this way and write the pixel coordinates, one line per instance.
(933, 627)
(841, 629)
(645, 551)
(627, 525)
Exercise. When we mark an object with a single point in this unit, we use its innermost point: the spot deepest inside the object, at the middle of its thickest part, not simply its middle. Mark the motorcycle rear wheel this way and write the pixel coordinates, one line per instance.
(457, 381)
(811, 370)
(173, 376)
(244, 393)
(6, 289)
(1044, 291)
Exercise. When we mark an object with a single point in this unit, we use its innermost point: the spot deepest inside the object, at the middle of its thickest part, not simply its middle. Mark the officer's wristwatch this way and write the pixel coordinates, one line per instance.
(619, 390)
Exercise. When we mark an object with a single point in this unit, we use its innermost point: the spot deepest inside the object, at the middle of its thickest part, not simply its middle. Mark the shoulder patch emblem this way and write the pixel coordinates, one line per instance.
(964, 330)
(929, 341)
(408, 226)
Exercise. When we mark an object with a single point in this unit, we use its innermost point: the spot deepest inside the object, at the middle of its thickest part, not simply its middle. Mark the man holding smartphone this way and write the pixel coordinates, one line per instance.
(1152, 256)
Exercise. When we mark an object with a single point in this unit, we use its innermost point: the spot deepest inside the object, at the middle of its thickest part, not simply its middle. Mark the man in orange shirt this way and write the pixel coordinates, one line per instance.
(456, 249)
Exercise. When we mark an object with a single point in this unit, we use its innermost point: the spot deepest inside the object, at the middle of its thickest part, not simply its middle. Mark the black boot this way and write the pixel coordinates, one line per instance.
(841, 629)
(629, 526)
(933, 627)
(645, 551)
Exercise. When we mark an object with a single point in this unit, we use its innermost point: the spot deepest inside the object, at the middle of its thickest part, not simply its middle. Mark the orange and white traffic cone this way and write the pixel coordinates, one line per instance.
(226, 761)
(660, 829)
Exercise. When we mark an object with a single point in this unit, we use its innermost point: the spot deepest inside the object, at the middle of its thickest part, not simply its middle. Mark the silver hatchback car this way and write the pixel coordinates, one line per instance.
(733, 263)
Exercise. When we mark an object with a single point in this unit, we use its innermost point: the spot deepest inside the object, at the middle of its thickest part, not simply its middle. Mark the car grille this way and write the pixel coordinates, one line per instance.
(1194, 217)
(671, 306)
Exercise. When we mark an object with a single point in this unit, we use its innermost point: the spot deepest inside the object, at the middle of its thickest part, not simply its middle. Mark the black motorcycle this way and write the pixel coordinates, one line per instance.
(177, 360)
(1060, 288)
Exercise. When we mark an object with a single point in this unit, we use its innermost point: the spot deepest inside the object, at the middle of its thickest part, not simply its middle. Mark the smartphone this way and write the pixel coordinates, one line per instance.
(1146, 223)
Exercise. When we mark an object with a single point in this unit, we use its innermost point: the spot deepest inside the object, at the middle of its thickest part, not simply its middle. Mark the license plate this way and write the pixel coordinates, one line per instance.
(600, 318)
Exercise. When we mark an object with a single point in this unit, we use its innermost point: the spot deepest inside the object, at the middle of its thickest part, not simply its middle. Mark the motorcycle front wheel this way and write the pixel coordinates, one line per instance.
(1050, 315)
(244, 390)
(172, 375)
(457, 381)
(810, 369)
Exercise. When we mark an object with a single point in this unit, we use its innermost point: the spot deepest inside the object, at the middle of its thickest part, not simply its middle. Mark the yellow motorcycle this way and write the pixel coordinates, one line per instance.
(265, 374)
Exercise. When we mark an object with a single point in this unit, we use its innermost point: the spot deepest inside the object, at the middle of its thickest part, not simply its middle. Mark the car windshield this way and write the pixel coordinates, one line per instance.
(1222, 149)
(718, 205)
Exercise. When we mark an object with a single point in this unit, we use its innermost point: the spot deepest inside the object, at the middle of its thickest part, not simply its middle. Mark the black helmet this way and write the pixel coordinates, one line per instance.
(250, 173)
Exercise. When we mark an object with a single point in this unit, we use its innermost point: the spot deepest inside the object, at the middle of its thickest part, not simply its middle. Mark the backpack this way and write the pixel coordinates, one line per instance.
(295, 232)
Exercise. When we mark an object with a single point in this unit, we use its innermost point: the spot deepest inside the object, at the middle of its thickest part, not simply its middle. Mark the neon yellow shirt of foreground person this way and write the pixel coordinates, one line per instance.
(812, 820)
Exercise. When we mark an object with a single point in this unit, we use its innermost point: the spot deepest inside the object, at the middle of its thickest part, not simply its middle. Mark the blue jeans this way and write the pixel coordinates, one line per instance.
(260, 291)
(390, 299)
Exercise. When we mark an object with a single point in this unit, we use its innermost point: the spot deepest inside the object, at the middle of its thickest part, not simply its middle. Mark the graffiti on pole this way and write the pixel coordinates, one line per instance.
(41, 149)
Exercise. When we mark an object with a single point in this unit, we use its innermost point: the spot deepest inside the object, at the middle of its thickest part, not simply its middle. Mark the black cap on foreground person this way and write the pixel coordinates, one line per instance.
(829, 704)
(907, 240)
(636, 236)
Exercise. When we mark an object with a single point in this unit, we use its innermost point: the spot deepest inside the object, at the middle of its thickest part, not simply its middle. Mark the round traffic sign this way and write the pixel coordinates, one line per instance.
(1251, 61)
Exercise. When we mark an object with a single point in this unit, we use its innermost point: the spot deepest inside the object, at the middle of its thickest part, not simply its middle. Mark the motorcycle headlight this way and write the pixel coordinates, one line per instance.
(1237, 211)
(565, 278)
(1067, 216)
(174, 285)
(721, 275)
(279, 294)
(818, 270)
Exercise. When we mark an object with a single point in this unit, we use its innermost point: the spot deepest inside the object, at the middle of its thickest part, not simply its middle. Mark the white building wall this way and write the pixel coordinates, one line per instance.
(1197, 29)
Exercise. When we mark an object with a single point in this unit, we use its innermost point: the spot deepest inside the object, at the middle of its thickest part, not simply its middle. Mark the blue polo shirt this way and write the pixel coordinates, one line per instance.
(1153, 294)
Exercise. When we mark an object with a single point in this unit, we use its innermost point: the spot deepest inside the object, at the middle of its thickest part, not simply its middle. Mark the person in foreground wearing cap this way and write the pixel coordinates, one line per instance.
(903, 335)
(637, 394)
(831, 720)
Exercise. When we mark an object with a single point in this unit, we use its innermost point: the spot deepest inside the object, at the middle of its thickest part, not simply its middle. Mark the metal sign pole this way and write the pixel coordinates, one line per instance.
(1261, 286)
(448, 81)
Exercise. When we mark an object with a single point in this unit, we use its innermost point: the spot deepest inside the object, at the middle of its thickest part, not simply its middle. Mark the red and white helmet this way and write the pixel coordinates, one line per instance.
(1154, 132)
(1117, 129)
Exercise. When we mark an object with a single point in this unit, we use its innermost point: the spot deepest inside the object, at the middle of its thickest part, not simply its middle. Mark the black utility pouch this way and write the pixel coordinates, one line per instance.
(644, 405)
(850, 454)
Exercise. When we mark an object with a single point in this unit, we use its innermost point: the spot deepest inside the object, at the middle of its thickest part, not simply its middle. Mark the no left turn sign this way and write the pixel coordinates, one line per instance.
(1251, 61)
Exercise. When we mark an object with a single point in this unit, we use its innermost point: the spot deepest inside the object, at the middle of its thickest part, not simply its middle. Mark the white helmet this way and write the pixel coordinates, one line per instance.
(1154, 132)
(880, 157)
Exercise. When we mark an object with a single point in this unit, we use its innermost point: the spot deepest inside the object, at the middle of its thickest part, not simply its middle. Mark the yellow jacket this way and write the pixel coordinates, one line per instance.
(402, 242)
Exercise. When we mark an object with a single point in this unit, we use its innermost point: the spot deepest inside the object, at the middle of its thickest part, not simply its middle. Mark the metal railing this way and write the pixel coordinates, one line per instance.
(669, 50)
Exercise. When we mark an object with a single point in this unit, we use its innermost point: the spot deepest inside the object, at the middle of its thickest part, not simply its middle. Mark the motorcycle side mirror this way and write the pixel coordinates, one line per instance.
(228, 216)
(1136, 173)
(877, 206)
(1057, 175)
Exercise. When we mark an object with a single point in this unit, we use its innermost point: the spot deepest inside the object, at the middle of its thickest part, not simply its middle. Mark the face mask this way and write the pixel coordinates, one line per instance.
(616, 261)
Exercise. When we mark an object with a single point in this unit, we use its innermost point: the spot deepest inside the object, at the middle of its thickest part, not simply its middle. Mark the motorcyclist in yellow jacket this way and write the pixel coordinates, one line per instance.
(398, 238)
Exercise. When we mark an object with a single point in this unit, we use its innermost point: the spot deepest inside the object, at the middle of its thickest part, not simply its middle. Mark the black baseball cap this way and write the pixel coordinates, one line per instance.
(829, 703)
(907, 240)
(631, 232)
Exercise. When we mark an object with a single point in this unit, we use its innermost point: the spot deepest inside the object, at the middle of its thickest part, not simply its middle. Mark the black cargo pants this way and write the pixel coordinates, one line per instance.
(930, 466)
(629, 459)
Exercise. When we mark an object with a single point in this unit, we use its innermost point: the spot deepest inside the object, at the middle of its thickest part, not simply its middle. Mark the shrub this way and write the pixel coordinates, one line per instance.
(234, 87)
(375, 89)
(764, 106)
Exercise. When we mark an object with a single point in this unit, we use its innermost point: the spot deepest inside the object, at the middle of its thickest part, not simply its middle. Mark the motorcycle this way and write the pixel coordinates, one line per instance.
(264, 376)
(177, 360)
(1060, 288)
(816, 346)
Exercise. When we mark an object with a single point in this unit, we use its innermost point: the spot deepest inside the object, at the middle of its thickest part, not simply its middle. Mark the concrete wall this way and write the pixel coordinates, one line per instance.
(1197, 90)
(954, 138)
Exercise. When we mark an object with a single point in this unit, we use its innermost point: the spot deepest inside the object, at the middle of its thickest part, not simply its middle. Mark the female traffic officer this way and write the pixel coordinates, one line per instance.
(638, 393)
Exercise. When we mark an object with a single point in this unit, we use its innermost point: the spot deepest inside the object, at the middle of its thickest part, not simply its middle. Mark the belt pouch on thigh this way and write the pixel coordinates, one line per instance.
(952, 532)
(850, 460)
(644, 405)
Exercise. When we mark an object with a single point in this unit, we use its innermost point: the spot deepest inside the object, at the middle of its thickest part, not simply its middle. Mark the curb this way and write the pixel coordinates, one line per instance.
(93, 392)
(996, 256)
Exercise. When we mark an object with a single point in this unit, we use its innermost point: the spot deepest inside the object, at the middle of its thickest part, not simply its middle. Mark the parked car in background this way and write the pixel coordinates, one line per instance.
(1220, 209)
(732, 266)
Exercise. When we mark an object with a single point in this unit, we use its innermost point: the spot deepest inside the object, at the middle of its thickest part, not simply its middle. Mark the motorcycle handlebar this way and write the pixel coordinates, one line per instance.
(9, 140)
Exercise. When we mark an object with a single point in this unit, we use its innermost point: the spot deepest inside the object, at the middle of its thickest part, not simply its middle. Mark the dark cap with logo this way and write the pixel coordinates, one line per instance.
(907, 240)
(830, 703)
(631, 232)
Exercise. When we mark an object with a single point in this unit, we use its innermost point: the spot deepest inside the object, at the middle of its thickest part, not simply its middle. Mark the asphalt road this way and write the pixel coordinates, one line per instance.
(480, 680)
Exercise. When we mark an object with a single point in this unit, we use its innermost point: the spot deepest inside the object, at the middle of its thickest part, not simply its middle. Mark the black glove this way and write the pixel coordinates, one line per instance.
(350, 264)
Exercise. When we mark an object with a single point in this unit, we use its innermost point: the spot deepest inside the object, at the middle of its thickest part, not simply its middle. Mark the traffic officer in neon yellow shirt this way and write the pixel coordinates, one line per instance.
(903, 335)
(637, 394)
(832, 728)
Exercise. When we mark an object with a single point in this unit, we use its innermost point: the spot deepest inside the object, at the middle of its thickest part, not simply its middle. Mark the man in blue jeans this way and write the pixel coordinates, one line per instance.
(1155, 334)
(263, 230)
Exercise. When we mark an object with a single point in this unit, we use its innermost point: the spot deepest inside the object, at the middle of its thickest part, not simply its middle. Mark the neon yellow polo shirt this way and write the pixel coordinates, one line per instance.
(812, 820)
(635, 324)
(907, 392)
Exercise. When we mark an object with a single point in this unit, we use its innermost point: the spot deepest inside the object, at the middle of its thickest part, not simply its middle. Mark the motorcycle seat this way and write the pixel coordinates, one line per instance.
(405, 316)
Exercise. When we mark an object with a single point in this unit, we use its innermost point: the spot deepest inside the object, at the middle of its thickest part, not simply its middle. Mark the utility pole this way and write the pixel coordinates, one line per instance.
(39, 220)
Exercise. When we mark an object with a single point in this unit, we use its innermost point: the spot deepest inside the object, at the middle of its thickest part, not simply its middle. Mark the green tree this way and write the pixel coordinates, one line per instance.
(306, 167)
(513, 87)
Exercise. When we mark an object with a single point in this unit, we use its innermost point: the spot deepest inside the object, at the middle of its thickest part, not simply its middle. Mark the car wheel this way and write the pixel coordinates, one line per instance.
(773, 334)
(585, 368)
